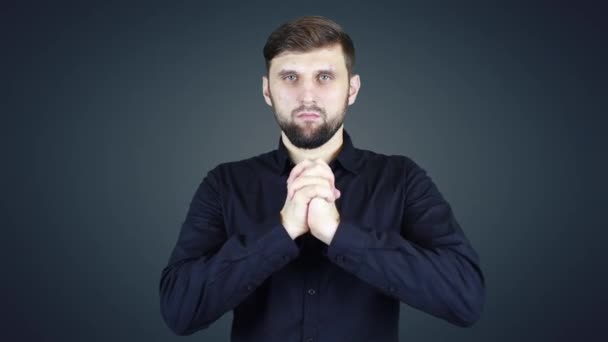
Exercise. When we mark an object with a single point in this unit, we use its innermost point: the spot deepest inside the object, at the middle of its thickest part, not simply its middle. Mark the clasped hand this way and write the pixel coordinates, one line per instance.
(310, 201)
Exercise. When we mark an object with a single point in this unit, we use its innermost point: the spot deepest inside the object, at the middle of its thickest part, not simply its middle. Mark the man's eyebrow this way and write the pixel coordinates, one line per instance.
(326, 71)
(286, 72)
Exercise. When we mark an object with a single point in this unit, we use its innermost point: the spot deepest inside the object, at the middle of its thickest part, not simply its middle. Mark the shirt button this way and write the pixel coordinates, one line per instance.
(340, 258)
(249, 287)
(311, 291)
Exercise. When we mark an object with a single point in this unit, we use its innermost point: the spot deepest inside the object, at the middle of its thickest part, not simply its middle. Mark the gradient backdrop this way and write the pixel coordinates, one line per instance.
(113, 113)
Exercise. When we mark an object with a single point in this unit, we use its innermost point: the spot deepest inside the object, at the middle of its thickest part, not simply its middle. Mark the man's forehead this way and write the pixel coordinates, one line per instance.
(324, 58)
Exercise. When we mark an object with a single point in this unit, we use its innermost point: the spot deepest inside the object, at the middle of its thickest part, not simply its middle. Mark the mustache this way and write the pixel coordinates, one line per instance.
(308, 109)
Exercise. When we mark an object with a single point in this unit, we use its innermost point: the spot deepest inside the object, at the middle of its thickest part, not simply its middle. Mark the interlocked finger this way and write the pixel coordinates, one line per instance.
(308, 192)
(302, 181)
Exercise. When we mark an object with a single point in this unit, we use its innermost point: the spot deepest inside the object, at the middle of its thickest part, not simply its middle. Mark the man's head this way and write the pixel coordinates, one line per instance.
(309, 63)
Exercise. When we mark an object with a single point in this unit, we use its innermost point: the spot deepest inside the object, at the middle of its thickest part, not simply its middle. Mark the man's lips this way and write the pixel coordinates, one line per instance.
(308, 115)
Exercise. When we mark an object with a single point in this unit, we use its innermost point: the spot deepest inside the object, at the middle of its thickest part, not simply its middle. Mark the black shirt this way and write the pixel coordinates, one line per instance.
(397, 241)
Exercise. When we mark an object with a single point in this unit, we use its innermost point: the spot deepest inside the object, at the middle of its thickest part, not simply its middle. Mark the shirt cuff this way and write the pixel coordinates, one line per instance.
(348, 246)
(276, 249)
(277, 246)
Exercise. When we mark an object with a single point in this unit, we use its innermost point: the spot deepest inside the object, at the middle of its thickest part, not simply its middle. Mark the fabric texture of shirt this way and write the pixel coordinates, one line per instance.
(397, 242)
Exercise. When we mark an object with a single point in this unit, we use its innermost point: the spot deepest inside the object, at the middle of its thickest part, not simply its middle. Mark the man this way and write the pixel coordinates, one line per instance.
(317, 240)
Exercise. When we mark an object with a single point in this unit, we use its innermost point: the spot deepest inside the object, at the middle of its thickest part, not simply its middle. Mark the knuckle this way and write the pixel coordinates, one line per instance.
(323, 191)
(297, 197)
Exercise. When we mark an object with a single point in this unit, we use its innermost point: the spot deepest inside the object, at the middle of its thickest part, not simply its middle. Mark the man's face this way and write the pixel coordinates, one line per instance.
(314, 83)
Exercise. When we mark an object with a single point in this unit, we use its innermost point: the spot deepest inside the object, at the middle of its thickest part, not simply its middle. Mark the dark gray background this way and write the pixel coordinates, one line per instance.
(112, 114)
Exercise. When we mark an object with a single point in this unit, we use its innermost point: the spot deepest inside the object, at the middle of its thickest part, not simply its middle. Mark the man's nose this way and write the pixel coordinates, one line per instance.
(308, 92)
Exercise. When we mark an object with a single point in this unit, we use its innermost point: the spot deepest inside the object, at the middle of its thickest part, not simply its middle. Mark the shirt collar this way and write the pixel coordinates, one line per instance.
(347, 157)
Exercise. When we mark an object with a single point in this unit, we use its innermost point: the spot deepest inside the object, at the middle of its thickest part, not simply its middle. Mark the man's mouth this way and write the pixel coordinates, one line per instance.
(308, 115)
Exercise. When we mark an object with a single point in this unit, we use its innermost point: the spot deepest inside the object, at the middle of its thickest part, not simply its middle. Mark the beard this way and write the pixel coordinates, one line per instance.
(310, 135)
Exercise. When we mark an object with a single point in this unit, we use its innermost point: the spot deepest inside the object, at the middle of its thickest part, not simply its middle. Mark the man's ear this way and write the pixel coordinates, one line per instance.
(353, 89)
(266, 90)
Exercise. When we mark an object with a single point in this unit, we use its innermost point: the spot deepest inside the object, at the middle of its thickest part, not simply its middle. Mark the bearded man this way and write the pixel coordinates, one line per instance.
(317, 240)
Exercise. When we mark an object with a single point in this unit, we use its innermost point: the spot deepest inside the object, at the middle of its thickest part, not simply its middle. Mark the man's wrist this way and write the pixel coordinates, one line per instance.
(289, 231)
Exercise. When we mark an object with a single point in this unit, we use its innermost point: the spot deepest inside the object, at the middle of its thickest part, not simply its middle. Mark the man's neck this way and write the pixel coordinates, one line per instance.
(327, 151)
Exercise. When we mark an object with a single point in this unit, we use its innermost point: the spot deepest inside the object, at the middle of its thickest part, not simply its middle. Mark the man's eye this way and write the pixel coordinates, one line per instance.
(325, 77)
(290, 77)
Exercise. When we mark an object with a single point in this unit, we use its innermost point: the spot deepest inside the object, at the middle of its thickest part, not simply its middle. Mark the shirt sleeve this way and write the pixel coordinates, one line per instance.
(428, 263)
(209, 272)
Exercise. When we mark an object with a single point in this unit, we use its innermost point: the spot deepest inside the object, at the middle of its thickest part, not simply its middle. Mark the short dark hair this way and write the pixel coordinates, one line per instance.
(306, 33)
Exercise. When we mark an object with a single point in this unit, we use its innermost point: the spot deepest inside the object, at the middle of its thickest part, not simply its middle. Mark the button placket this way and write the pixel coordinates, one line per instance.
(312, 304)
